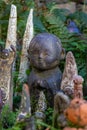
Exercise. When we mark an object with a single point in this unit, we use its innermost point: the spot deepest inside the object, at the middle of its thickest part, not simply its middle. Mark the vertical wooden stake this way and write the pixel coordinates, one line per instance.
(28, 35)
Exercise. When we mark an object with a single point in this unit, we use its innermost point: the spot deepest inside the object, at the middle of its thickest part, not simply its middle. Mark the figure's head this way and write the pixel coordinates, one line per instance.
(45, 51)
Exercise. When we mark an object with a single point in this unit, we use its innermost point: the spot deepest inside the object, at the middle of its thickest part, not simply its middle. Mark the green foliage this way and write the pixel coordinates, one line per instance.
(8, 117)
(23, 8)
(55, 22)
(38, 25)
(38, 122)
(49, 113)
(19, 126)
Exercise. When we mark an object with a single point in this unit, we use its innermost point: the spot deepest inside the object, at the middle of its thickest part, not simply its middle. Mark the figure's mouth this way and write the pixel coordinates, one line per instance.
(40, 61)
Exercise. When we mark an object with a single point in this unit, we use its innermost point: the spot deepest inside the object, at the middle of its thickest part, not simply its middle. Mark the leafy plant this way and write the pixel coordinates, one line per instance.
(49, 113)
(8, 117)
(55, 22)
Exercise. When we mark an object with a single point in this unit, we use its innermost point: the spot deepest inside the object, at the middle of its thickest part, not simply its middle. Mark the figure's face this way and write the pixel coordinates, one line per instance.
(44, 54)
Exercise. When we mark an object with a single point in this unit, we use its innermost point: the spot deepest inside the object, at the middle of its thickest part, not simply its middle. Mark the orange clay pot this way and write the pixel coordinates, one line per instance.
(81, 129)
(47, 129)
(69, 128)
(77, 112)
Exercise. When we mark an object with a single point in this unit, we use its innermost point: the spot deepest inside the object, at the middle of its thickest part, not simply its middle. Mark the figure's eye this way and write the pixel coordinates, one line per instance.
(46, 53)
(34, 52)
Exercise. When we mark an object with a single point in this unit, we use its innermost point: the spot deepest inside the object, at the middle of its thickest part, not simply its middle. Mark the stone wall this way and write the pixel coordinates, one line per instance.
(65, 1)
(57, 1)
(72, 6)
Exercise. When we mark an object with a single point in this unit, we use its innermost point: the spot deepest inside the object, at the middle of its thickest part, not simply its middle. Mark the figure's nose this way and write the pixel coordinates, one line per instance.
(40, 55)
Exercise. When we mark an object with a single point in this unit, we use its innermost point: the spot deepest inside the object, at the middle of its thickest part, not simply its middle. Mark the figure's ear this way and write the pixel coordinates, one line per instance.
(62, 54)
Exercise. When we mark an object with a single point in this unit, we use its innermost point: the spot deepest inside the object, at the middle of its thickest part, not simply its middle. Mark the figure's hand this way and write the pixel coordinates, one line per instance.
(4, 54)
(37, 83)
(40, 83)
(69, 91)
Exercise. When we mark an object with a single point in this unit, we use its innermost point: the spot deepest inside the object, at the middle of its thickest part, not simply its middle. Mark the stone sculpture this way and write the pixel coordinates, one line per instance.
(78, 87)
(45, 52)
(73, 108)
(40, 110)
(70, 70)
(62, 99)
(76, 112)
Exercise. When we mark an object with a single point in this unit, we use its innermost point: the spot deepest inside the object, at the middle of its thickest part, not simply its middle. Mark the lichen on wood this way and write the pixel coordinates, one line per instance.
(12, 27)
(7, 58)
(28, 35)
(70, 70)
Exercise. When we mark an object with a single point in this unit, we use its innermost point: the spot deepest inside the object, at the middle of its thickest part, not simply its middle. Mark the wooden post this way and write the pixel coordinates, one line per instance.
(6, 60)
(28, 35)
(12, 27)
(70, 70)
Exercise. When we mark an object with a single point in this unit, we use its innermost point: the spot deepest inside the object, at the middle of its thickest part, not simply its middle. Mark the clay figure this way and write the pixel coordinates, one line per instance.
(45, 52)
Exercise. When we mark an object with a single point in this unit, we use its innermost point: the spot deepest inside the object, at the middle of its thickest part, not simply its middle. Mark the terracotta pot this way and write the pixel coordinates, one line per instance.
(47, 129)
(69, 128)
(77, 112)
(81, 129)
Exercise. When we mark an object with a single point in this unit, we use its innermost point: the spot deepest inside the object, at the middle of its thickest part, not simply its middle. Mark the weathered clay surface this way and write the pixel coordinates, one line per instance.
(40, 110)
(77, 112)
(45, 52)
(6, 60)
(61, 102)
(70, 70)
(41, 106)
(78, 87)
